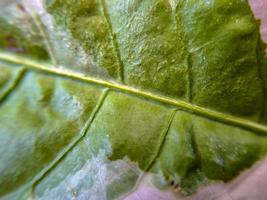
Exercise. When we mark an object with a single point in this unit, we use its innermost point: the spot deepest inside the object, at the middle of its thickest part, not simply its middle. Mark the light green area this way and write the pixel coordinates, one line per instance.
(86, 172)
(39, 120)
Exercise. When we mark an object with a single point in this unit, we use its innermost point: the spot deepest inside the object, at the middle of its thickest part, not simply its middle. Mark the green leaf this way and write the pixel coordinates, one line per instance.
(96, 94)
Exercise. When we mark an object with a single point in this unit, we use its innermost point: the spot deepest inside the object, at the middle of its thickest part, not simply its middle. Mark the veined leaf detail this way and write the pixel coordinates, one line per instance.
(96, 95)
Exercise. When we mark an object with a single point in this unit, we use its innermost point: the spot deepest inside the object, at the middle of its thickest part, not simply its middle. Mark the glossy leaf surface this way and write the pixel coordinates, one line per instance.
(97, 94)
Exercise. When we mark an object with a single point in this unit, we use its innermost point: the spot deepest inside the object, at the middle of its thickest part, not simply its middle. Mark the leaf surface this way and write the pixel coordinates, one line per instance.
(95, 94)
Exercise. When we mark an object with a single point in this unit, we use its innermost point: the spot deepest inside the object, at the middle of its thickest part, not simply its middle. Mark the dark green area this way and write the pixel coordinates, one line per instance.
(206, 52)
(13, 39)
(225, 53)
(152, 44)
(197, 150)
(5, 76)
(86, 22)
(129, 134)
(8, 77)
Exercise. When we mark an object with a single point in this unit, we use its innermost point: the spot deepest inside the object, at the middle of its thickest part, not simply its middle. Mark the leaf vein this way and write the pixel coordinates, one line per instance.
(13, 85)
(45, 36)
(63, 154)
(189, 107)
(114, 41)
(162, 140)
(189, 56)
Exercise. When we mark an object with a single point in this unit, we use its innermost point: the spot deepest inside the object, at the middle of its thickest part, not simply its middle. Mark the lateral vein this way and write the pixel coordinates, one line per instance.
(12, 85)
(114, 42)
(162, 140)
(60, 157)
(45, 36)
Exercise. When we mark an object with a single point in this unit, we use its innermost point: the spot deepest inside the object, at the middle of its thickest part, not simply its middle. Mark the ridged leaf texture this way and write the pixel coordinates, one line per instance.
(96, 94)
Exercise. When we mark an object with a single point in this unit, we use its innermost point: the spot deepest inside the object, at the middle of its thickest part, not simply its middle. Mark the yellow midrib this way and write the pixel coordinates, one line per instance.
(208, 113)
